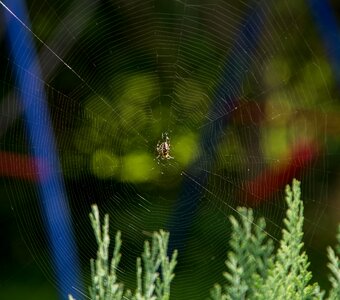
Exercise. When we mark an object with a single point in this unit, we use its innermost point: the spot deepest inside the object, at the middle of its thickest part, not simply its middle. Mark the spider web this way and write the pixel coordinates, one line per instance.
(246, 110)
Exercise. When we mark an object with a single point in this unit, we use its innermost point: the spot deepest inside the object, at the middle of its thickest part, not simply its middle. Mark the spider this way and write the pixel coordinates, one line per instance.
(163, 147)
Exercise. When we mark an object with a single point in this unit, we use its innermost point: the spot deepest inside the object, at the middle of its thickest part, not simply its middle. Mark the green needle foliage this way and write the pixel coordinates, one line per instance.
(334, 266)
(103, 273)
(254, 270)
(289, 277)
(150, 285)
(251, 254)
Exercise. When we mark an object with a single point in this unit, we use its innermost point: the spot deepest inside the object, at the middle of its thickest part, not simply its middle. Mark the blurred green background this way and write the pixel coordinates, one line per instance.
(143, 68)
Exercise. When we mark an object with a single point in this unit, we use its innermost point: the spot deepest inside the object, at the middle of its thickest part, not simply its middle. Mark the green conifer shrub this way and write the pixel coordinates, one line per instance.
(254, 269)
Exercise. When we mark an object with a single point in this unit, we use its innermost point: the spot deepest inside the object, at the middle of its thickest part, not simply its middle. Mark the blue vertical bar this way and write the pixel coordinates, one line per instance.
(51, 187)
(226, 98)
(327, 26)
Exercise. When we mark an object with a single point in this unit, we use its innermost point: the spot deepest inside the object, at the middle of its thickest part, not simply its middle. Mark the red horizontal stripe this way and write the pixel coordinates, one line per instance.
(18, 166)
(277, 176)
